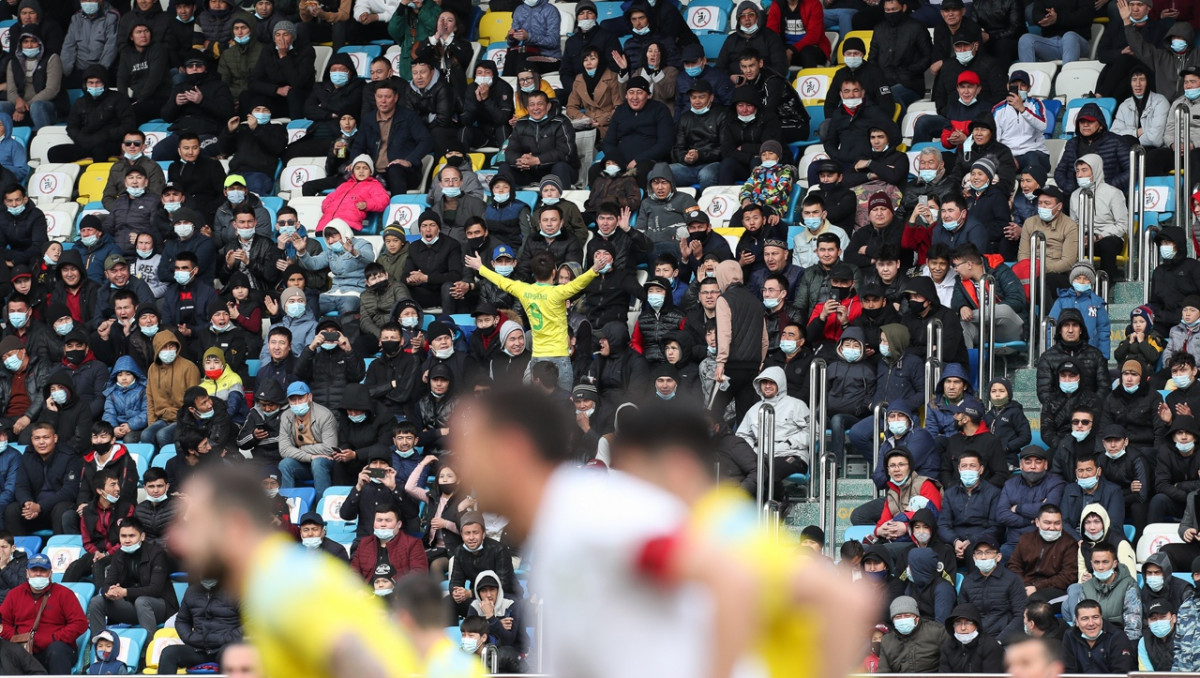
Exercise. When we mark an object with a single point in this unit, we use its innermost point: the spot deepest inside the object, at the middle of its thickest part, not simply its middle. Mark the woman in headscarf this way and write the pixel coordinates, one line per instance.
(596, 92)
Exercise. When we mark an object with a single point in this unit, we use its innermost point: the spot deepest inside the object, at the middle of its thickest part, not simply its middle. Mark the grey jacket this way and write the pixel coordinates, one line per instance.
(1153, 120)
(1112, 212)
(324, 429)
(91, 40)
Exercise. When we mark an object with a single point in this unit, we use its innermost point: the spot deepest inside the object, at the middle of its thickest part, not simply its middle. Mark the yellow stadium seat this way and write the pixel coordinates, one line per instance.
(865, 36)
(163, 638)
(493, 27)
(477, 160)
(813, 84)
(91, 183)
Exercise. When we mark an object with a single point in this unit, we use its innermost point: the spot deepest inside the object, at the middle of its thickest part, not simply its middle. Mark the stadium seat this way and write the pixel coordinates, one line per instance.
(252, 366)
(155, 132)
(141, 453)
(132, 641)
(916, 111)
(54, 183)
(6, 33)
(91, 184)
(297, 129)
(164, 455)
(163, 638)
(1107, 105)
(497, 53)
(294, 176)
(858, 532)
(29, 545)
(324, 54)
(706, 18)
(361, 55)
(1041, 73)
(865, 36)
(22, 134)
(308, 210)
(1077, 79)
(1160, 195)
(81, 651)
(720, 202)
(47, 138)
(331, 502)
(712, 44)
(63, 549)
(299, 500)
(608, 10)
(60, 219)
(1156, 536)
(404, 210)
(813, 84)
(83, 590)
(566, 21)
(493, 27)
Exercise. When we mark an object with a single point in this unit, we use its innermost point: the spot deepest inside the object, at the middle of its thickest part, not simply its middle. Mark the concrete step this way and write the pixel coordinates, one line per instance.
(1025, 380)
(852, 493)
(1127, 293)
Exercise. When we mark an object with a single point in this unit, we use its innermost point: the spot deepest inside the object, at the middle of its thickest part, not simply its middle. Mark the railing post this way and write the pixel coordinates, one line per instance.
(1149, 260)
(817, 390)
(933, 371)
(766, 454)
(1102, 284)
(491, 659)
(1037, 289)
(831, 472)
(933, 339)
(1087, 225)
(1137, 207)
(1180, 115)
(878, 417)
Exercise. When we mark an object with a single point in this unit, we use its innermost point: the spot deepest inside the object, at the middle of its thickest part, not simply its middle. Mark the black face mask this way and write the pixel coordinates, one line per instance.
(379, 286)
(476, 243)
(917, 307)
(75, 357)
(389, 347)
(893, 18)
(1033, 477)
(447, 488)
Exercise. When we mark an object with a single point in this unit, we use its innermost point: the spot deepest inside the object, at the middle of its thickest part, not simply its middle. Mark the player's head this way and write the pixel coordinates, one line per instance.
(1033, 658)
(224, 515)
(667, 445)
(507, 442)
(241, 660)
(419, 604)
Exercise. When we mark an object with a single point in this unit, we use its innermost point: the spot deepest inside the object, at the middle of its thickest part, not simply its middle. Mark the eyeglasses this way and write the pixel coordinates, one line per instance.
(289, 222)
(131, 142)
(1086, 422)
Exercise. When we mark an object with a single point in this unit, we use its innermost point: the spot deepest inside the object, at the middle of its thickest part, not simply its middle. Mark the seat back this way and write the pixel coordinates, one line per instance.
(404, 210)
(705, 18)
(60, 220)
(56, 182)
(865, 36)
(720, 202)
(493, 27)
(1156, 536)
(813, 84)
(62, 550)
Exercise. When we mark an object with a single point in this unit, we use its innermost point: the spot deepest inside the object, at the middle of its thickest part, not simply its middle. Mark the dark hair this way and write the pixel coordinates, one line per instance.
(967, 252)
(974, 454)
(104, 476)
(1085, 458)
(709, 281)
(405, 426)
(391, 326)
(537, 93)
(135, 131)
(752, 207)
(1087, 603)
(938, 250)
(286, 209)
(1181, 359)
(373, 268)
(532, 414)
(235, 489)
(381, 59)
(552, 208)
(667, 258)
(544, 372)
(19, 298)
(952, 199)
(101, 427)
(187, 256)
(657, 427)
(829, 238)
(888, 251)
(189, 136)
(851, 548)
(1105, 547)
(749, 53)
(280, 331)
(542, 265)
(813, 199)
(779, 278)
(474, 624)
(241, 209)
(152, 474)
(14, 188)
(421, 597)
(193, 394)
(7, 537)
(387, 508)
(135, 523)
(188, 439)
(475, 220)
(41, 426)
(1049, 508)
(1042, 615)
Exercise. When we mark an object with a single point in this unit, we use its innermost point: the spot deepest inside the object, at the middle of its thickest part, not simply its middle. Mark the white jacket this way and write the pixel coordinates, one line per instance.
(1193, 126)
(1022, 132)
(1153, 120)
(804, 245)
(1112, 211)
(791, 418)
(384, 8)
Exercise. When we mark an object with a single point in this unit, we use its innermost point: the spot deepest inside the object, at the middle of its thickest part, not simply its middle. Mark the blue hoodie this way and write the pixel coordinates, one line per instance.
(934, 595)
(126, 404)
(920, 444)
(939, 419)
(12, 152)
(1095, 315)
(111, 665)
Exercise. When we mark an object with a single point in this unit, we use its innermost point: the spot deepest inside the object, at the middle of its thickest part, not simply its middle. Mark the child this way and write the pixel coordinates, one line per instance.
(1142, 342)
(105, 650)
(220, 381)
(145, 268)
(666, 266)
(410, 316)
(1083, 298)
(1005, 418)
(770, 184)
(1183, 336)
(474, 631)
(125, 400)
(658, 317)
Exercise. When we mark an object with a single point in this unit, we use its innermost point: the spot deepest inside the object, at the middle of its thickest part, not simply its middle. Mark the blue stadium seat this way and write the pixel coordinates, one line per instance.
(84, 591)
(608, 10)
(142, 453)
(133, 641)
(22, 134)
(29, 545)
(300, 501)
(712, 44)
(252, 366)
(81, 648)
(858, 532)
(1130, 530)
(164, 455)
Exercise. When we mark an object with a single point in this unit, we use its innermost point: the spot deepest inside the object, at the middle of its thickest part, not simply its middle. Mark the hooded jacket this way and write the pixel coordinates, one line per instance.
(210, 114)
(237, 62)
(166, 383)
(1111, 208)
(343, 202)
(72, 420)
(1093, 365)
(329, 373)
(791, 418)
(506, 607)
(918, 652)
(1174, 591)
(766, 41)
(954, 349)
(846, 136)
(899, 376)
(1028, 499)
(934, 595)
(981, 654)
(14, 159)
(328, 102)
(661, 219)
(939, 417)
(1119, 598)
(23, 236)
(46, 83)
(369, 436)
(1172, 281)
(492, 558)
(1110, 148)
(109, 664)
(851, 384)
(623, 372)
(1008, 423)
(1164, 62)
(919, 443)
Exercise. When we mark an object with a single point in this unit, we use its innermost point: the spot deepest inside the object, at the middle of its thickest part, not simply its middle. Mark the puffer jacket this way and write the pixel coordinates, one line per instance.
(918, 442)
(1000, 597)
(541, 22)
(1181, 340)
(23, 237)
(791, 418)
(704, 133)
(652, 329)
(1092, 308)
(1120, 603)
(211, 113)
(1152, 121)
(1110, 148)
(209, 619)
(851, 385)
(934, 595)
(1093, 365)
(1056, 423)
(551, 139)
(1000, 19)
(982, 654)
(126, 405)
(1130, 466)
(661, 219)
(329, 373)
(237, 62)
(1162, 60)
(1008, 423)
(94, 121)
(846, 134)
(968, 515)
(918, 652)
(37, 375)
(621, 373)
(343, 202)
(435, 105)
(1028, 500)
(91, 40)
(1006, 166)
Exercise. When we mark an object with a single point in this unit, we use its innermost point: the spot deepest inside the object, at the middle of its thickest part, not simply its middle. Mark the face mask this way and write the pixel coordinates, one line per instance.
(1180, 46)
(607, 268)
(150, 331)
(89, 240)
(338, 78)
(1166, 251)
(770, 303)
(985, 566)
(31, 52)
(590, 71)
(1160, 628)
(902, 482)
(209, 414)
(245, 233)
(295, 309)
(272, 493)
(1068, 386)
(156, 500)
(611, 170)
(787, 346)
(904, 626)
(854, 62)
(95, 91)
(145, 254)
(927, 175)
(132, 548)
(1046, 213)
(432, 242)
(949, 225)
(183, 277)
(409, 322)
(59, 396)
(287, 230)
(299, 410)
(442, 354)
(1192, 93)
(469, 645)
(748, 118)
(852, 103)
(89, 7)
(655, 300)
(484, 81)
(262, 118)
(769, 163)
(49, 261)
(328, 346)
(504, 269)
(544, 234)
(64, 330)
(245, 39)
(1079, 436)
(885, 350)
(447, 488)
(184, 231)
(501, 198)
(383, 534)
(167, 356)
(236, 196)
(965, 638)
(693, 71)
(754, 29)
(1088, 483)
(527, 88)
(112, 499)
(452, 191)
(1182, 447)
(898, 428)
(1084, 182)
(964, 58)
(922, 537)
(812, 223)
(16, 210)
(851, 354)
(1033, 477)
(357, 418)
(1104, 576)
(337, 247)
(39, 583)
(17, 319)
(550, 201)
(1181, 380)
(585, 25)
(1050, 535)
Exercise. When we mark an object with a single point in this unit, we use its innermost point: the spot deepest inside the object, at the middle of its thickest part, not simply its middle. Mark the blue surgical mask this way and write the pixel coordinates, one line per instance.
(1046, 213)
(1161, 628)
(469, 645)
(964, 58)
(64, 330)
(700, 111)
(504, 269)
(612, 170)
(337, 247)
(157, 500)
(984, 566)
(150, 331)
(243, 40)
(339, 78)
(172, 207)
(1103, 576)
(89, 240)
(299, 409)
(451, 191)
(49, 261)
(904, 626)
(1081, 287)
(1192, 93)
(591, 72)
(410, 322)
(89, 8)
(1084, 182)
(16, 210)
(183, 277)
(885, 350)
(584, 25)
(693, 71)
(927, 175)
(854, 62)
(1180, 46)
(1079, 436)
(1088, 483)
(788, 346)
(748, 118)
(59, 396)
(949, 225)
(262, 118)
(206, 415)
(662, 396)
(767, 163)
(1182, 380)
(550, 201)
(969, 478)
(31, 52)
(167, 356)
(328, 345)
(245, 233)
(357, 418)
(812, 223)
(898, 428)
(287, 230)
(295, 309)
(39, 583)
(1068, 386)
(528, 88)
(770, 303)
(383, 534)
(1166, 251)
(656, 300)
(501, 198)
(851, 354)
(1050, 535)
(13, 363)
(236, 196)
(544, 234)
(17, 319)
(95, 91)
(1139, 22)
(1155, 582)
(135, 192)
(607, 268)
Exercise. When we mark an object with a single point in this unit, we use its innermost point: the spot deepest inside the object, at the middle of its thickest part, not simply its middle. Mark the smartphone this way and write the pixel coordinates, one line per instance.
(376, 473)
(923, 200)
(1013, 89)
(330, 336)
(841, 293)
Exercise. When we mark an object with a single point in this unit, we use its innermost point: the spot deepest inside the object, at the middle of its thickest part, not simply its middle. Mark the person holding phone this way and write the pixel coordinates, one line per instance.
(374, 488)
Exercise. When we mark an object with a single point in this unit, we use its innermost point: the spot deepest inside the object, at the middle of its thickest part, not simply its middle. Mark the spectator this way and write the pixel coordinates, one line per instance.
(239, 56)
(207, 623)
(931, 180)
(60, 623)
(99, 523)
(997, 592)
(663, 209)
(588, 33)
(388, 546)
(13, 563)
(640, 130)
(1092, 137)
(970, 649)
(37, 100)
(1175, 472)
(97, 120)
(298, 322)
(142, 69)
(489, 104)
(907, 493)
(1173, 280)
(791, 426)
(408, 141)
(699, 137)
(1183, 334)
(1071, 345)
(314, 536)
(1127, 468)
(137, 587)
(410, 25)
(443, 505)
(753, 33)
(595, 93)
(284, 75)
(346, 257)
(158, 509)
(801, 24)
(1156, 650)
(1022, 121)
(255, 144)
(169, 377)
(915, 645)
(902, 432)
(973, 435)
(23, 234)
(533, 39)
(1021, 501)
(260, 433)
(91, 41)
(1167, 58)
(1142, 117)
(847, 132)
(857, 68)
(900, 46)
(926, 583)
(1095, 645)
(1005, 418)
(1044, 560)
(1089, 489)
(924, 305)
(307, 439)
(199, 177)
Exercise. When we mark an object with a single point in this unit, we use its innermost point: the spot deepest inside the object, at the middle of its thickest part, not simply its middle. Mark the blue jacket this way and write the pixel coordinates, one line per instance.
(1187, 637)
(1111, 148)
(303, 330)
(1073, 501)
(10, 463)
(972, 232)
(917, 441)
(112, 665)
(928, 586)
(542, 22)
(348, 271)
(12, 152)
(126, 405)
(199, 244)
(1095, 315)
(939, 420)
(902, 382)
(94, 256)
(968, 515)
(1029, 500)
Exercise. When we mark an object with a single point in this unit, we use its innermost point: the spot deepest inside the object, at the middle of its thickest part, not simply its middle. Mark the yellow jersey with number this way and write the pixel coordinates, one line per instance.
(789, 639)
(307, 614)
(545, 306)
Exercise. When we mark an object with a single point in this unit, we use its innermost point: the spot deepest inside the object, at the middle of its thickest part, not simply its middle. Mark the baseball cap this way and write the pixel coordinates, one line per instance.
(484, 308)
(1052, 191)
(693, 52)
(312, 518)
(828, 166)
(234, 179)
(112, 260)
(700, 85)
(1068, 367)
(870, 289)
(23, 271)
(1113, 431)
(696, 216)
(1020, 76)
(1034, 451)
(39, 561)
(298, 388)
(503, 251)
(987, 539)
(968, 76)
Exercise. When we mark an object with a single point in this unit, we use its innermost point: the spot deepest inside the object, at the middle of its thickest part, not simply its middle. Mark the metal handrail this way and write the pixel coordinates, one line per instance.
(1137, 206)
(933, 347)
(1181, 115)
(1149, 259)
(766, 454)
(933, 373)
(817, 392)
(1037, 289)
(985, 290)
(1102, 284)
(829, 465)
(491, 659)
(1047, 331)
(1087, 225)
(878, 413)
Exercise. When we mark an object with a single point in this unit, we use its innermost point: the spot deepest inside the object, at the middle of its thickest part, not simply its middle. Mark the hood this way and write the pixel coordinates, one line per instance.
(74, 258)
(881, 552)
(490, 65)
(1096, 164)
(661, 171)
(685, 345)
(728, 273)
(1174, 234)
(1160, 559)
(1181, 29)
(499, 583)
(852, 333)
(342, 59)
(985, 121)
(161, 339)
(1069, 314)
(1098, 510)
(617, 335)
(925, 516)
(97, 71)
(408, 303)
(62, 378)
(923, 285)
(6, 120)
(923, 566)
(125, 364)
(775, 374)
(902, 407)
(1003, 381)
(1094, 111)
(745, 5)
(111, 637)
(356, 397)
(954, 370)
(435, 78)
(964, 611)
(32, 31)
(898, 338)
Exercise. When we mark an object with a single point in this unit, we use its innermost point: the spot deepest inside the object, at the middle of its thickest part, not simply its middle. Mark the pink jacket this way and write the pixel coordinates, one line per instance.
(343, 202)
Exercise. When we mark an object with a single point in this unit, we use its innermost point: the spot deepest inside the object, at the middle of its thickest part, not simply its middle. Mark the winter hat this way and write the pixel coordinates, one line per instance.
(638, 82)
(437, 328)
(973, 408)
(286, 26)
(904, 605)
(1144, 312)
(362, 157)
(290, 293)
(1085, 268)
(853, 43)
(772, 146)
(429, 215)
(746, 95)
(1132, 365)
(664, 370)
(879, 200)
(1038, 174)
(551, 180)
(9, 344)
(91, 221)
(1192, 300)
(985, 165)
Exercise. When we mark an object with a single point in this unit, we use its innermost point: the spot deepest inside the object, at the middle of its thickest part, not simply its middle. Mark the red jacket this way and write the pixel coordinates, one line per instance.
(812, 13)
(405, 552)
(63, 619)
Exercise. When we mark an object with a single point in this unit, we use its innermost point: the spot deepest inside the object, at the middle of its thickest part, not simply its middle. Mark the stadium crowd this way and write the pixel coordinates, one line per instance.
(193, 321)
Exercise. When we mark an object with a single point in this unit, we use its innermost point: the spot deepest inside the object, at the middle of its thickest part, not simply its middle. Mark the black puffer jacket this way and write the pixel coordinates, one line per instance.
(207, 117)
(781, 100)
(434, 105)
(551, 140)
(254, 150)
(1135, 411)
(903, 52)
(623, 372)
(982, 654)
(371, 435)
(73, 419)
(209, 619)
(1056, 417)
(654, 327)
(1006, 172)
(1111, 148)
(294, 69)
(846, 137)
(742, 139)
(327, 104)
(329, 373)
(23, 237)
(704, 133)
(1093, 365)
(1000, 19)
(1173, 280)
(98, 120)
